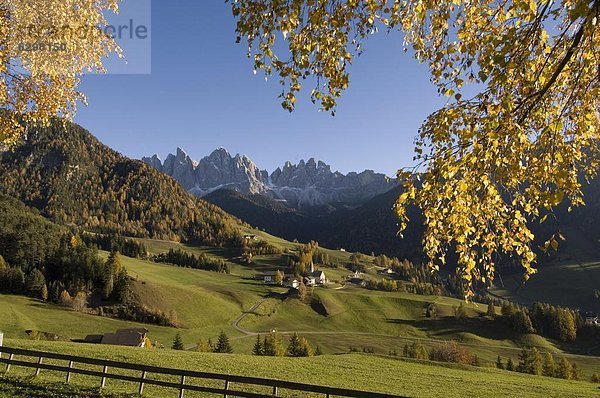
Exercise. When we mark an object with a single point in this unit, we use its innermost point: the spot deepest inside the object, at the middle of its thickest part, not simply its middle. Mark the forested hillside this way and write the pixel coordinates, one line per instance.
(369, 228)
(46, 261)
(72, 178)
(26, 238)
(373, 227)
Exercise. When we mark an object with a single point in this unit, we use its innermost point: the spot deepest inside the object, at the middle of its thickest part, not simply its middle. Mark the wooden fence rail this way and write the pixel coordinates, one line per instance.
(146, 370)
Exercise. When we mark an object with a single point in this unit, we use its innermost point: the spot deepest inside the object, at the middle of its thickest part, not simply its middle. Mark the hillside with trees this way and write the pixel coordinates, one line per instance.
(72, 178)
(369, 228)
(49, 262)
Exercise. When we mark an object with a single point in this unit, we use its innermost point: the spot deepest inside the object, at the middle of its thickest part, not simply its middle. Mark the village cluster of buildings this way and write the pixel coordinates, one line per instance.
(314, 278)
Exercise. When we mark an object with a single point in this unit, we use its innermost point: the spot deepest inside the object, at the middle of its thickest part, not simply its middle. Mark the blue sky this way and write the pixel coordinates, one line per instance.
(202, 94)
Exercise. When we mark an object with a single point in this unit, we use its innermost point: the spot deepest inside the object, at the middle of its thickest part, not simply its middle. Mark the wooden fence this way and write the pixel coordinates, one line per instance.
(228, 389)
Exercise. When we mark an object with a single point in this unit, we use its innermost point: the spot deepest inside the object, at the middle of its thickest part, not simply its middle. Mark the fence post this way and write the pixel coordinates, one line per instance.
(10, 358)
(141, 390)
(103, 380)
(226, 388)
(37, 370)
(274, 391)
(181, 389)
(1, 341)
(69, 371)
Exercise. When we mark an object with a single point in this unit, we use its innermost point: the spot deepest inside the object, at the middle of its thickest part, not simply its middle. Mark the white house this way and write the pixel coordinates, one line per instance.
(310, 281)
(386, 271)
(292, 283)
(319, 276)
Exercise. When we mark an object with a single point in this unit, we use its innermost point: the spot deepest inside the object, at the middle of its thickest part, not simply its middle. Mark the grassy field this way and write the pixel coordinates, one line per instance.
(18, 314)
(207, 302)
(338, 319)
(358, 371)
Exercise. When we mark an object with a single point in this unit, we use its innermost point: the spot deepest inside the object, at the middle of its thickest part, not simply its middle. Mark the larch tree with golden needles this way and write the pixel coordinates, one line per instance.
(486, 165)
(45, 46)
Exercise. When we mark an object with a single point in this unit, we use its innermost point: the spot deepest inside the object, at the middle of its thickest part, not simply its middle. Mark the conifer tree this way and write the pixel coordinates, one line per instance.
(576, 372)
(510, 364)
(302, 292)
(536, 361)
(258, 347)
(55, 290)
(420, 352)
(35, 283)
(566, 327)
(522, 322)
(15, 280)
(491, 310)
(524, 361)
(177, 343)
(305, 349)
(223, 346)
(272, 346)
(108, 286)
(549, 368)
(507, 308)
(44, 293)
(499, 363)
(293, 349)
(564, 369)
(279, 277)
(114, 262)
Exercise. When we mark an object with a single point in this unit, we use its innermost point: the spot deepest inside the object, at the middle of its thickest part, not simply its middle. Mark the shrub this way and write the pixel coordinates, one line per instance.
(491, 310)
(205, 346)
(79, 302)
(416, 350)
(460, 312)
(451, 351)
(431, 311)
(65, 299)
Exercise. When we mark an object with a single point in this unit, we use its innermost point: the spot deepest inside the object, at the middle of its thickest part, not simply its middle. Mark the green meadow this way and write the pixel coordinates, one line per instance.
(343, 321)
(357, 371)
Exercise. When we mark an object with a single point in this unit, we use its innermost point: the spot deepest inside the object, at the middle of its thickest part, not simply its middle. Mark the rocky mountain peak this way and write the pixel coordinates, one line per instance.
(307, 183)
(154, 161)
(181, 155)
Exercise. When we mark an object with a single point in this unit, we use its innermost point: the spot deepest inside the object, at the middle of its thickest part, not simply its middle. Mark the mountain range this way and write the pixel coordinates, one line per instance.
(308, 201)
(74, 179)
(306, 184)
